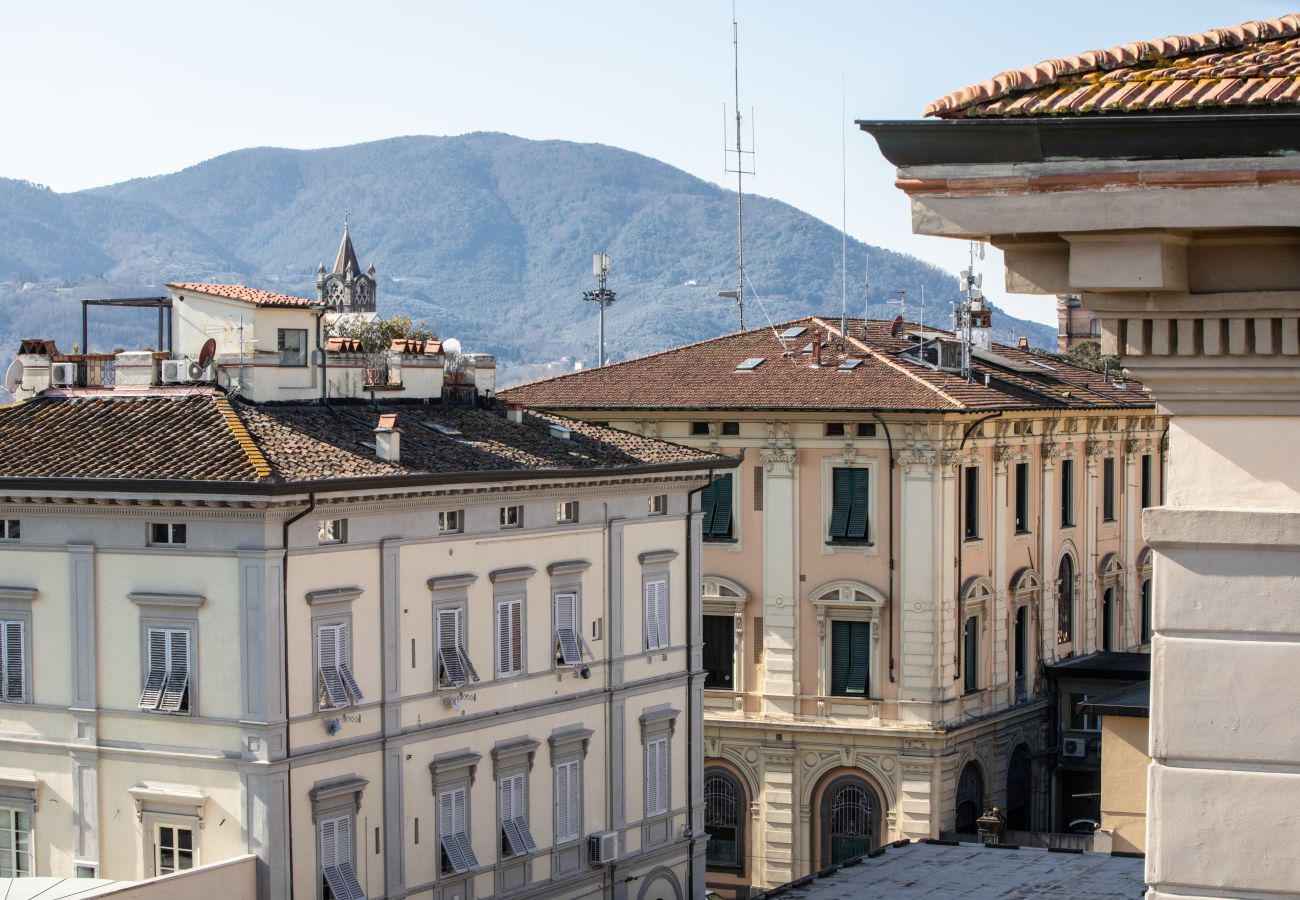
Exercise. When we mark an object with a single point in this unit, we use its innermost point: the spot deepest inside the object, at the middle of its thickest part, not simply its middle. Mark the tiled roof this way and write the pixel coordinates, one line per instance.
(203, 436)
(1253, 65)
(246, 294)
(705, 376)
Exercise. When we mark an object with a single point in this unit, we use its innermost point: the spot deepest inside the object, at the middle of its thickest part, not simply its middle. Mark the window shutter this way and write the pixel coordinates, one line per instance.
(651, 616)
(972, 654)
(562, 803)
(342, 840)
(708, 502)
(566, 635)
(327, 653)
(722, 508)
(178, 672)
(662, 592)
(859, 657)
(858, 524)
(758, 488)
(11, 659)
(157, 674)
(505, 664)
(328, 857)
(448, 628)
(663, 776)
(517, 635)
(841, 501)
(344, 641)
(841, 653)
(575, 799)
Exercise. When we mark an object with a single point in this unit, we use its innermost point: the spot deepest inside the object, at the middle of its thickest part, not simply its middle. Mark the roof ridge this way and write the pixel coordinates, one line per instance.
(245, 440)
(897, 366)
(1051, 71)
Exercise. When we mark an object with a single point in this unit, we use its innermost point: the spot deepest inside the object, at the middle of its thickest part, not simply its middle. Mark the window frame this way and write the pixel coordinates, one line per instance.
(657, 505)
(12, 814)
(451, 521)
(339, 624)
(1067, 493)
(1023, 504)
(567, 512)
(332, 531)
(736, 866)
(170, 537)
(731, 605)
(513, 511)
(11, 530)
(1147, 472)
(186, 704)
(20, 620)
(158, 825)
(568, 747)
(658, 723)
(837, 601)
(459, 651)
(517, 599)
(655, 619)
(971, 503)
(730, 429)
(281, 348)
(1065, 622)
(1108, 489)
(865, 505)
(453, 773)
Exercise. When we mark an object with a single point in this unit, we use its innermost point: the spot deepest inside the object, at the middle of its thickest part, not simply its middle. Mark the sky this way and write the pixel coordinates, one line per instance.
(102, 92)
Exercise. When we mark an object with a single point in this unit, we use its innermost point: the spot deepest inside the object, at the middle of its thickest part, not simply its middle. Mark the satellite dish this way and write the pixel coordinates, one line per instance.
(898, 324)
(205, 355)
(14, 376)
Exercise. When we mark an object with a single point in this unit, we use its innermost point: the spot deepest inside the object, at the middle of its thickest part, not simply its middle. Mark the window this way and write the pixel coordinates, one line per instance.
(566, 512)
(568, 801)
(758, 488)
(453, 664)
(1081, 717)
(970, 799)
(656, 777)
(15, 843)
(174, 849)
(292, 344)
(731, 429)
(1019, 789)
(453, 832)
(1067, 493)
(850, 658)
(658, 505)
(167, 680)
(971, 528)
(334, 679)
(1022, 498)
(1108, 619)
(850, 820)
(835, 429)
(656, 614)
(512, 799)
(9, 529)
(332, 531)
(850, 493)
(167, 534)
(1108, 489)
(1146, 480)
(724, 818)
(510, 637)
(568, 650)
(971, 653)
(1065, 601)
(700, 429)
(716, 502)
(13, 660)
(336, 869)
(1146, 610)
(512, 517)
(719, 652)
(866, 429)
(450, 521)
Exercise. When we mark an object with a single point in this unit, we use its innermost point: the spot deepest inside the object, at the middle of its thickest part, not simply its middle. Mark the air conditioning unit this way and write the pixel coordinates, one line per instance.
(602, 848)
(1075, 747)
(175, 371)
(63, 374)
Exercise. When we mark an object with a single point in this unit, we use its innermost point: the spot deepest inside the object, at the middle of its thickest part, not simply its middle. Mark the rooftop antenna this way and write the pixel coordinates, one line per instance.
(602, 296)
(844, 226)
(866, 290)
(901, 303)
(972, 306)
(740, 171)
(923, 307)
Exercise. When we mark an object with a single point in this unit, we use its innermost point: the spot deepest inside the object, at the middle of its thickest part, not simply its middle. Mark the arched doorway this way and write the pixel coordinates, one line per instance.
(970, 799)
(850, 820)
(1019, 790)
(724, 820)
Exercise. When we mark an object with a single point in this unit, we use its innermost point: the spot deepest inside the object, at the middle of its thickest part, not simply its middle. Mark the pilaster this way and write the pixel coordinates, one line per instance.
(780, 581)
(777, 835)
(919, 637)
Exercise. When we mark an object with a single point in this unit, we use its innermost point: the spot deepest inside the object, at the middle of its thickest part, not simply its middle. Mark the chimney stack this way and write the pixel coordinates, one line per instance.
(388, 439)
(1023, 343)
(515, 413)
(816, 353)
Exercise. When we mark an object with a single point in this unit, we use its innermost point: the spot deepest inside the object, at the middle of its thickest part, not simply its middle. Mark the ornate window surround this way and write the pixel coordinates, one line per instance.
(846, 608)
(721, 596)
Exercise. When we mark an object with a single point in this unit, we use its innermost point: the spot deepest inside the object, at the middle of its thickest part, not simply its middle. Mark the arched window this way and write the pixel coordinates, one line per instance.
(1144, 573)
(724, 820)
(970, 799)
(1018, 790)
(1065, 600)
(850, 818)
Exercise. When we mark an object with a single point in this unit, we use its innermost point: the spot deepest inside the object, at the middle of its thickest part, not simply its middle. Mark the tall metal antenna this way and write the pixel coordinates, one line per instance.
(901, 302)
(602, 296)
(844, 225)
(973, 309)
(866, 291)
(740, 171)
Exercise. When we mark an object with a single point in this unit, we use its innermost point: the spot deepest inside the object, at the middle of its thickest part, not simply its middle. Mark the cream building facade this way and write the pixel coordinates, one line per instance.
(1168, 205)
(898, 553)
(424, 650)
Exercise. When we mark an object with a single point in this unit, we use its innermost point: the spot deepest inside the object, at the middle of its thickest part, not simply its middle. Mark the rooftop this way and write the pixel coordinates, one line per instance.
(872, 372)
(937, 871)
(1252, 66)
(1102, 664)
(245, 294)
(1134, 700)
(198, 435)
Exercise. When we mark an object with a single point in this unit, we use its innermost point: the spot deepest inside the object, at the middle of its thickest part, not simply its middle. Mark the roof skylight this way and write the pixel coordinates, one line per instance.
(849, 365)
(794, 331)
(750, 364)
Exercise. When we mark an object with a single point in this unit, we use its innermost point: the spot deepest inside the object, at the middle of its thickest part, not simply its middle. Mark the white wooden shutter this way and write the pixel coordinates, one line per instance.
(568, 801)
(664, 785)
(656, 776)
(452, 827)
(510, 637)
(656, 604)
(174, 692)
(344, 645)
(12, 649)
(566, 632)
(332, 692)
(156, 676)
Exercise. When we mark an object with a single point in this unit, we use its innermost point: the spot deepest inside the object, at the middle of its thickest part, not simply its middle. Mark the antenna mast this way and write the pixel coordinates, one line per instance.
(602, 296)
(972, 307)
(740, 172)
(844, 226)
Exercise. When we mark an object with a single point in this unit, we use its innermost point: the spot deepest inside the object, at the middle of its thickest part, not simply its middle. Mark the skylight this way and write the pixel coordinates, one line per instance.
(794, 331)
(750, 364)
(849, 365)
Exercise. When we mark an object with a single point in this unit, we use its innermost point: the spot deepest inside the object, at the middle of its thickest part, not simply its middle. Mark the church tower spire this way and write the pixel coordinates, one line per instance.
(347, 289)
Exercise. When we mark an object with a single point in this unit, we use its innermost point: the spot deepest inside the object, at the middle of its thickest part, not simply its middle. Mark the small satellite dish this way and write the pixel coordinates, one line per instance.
(14, 376)
(205, 355)
(894, 329)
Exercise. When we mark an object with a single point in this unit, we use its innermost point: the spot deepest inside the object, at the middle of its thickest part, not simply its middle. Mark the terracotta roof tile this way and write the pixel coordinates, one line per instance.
(1254, 65)
(246, 294)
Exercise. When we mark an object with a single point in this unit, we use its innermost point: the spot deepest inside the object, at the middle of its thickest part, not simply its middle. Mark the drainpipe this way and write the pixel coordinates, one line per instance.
(609, 688)
(957, 636)
(284, 636)
(890, 601)
(692, 583)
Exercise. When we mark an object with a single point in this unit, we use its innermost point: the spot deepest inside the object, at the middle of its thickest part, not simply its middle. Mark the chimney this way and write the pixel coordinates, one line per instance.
(981, 328)
(388, 439)
(515, 413)
(1023, 343)
(816, 353)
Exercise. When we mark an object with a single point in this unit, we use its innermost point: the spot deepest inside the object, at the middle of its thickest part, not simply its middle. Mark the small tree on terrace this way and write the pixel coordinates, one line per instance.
(377, 335)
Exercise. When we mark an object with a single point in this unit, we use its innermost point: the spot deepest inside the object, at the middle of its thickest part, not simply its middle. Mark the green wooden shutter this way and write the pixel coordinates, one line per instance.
(857, 526)
(841, 654)
(842, 483)
(859, 657)
(708, 502)
(720, 527)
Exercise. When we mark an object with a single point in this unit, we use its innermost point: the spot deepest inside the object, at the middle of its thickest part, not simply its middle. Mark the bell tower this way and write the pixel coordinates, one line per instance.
(346, 289)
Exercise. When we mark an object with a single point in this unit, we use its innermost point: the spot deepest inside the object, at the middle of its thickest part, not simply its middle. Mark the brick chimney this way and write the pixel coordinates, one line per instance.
(388, 439)
(515, 413)
(816, 353)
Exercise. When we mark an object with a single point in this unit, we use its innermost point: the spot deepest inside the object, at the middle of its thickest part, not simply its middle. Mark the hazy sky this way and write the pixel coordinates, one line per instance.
(101, 92)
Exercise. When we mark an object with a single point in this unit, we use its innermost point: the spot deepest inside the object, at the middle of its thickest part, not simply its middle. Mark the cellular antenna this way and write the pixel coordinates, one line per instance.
(844, 225)
(602, 296)
(740, 171)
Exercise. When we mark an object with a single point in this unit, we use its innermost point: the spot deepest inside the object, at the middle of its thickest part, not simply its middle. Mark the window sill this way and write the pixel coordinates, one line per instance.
(849, 542)
(720, 540)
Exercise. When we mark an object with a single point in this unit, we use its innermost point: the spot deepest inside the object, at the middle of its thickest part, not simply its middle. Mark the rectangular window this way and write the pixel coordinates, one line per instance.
(510, 637)
(566, 512)
(568, 801)
(850, 493)
(719, 652)
(454, 666)
(9, 529)
(15, 843)
(758, 488)
(512, 517)
(1080, 720)
(334, 678)
(568, 651)
(292, 344)
(13, 661)
(450, 521)
(656, 614)
(1067, 493)
(167, 534)
(167, 681)
(336, 869)
(971, 496)
(850, 658)
(656, 777)
(716, 502)
(1108, 489)
(174, 849)
(699, 429)
(1022, 498)
(658, 505)
(731, 429)
(332, 531)
(1146, 480)
(866, 429)
(453, 832)
(971, 653)
(512, 798)
(835, 429)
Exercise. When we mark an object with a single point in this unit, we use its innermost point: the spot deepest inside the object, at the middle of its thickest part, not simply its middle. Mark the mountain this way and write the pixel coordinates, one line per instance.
(488, 236)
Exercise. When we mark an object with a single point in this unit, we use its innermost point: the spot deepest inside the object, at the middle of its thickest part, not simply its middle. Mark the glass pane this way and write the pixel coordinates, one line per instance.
(184, 860)
(166, 860)
(184, 839)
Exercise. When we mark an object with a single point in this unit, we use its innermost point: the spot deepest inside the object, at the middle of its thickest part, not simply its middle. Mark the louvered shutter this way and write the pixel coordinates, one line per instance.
(566, 634)
(178, 672)
(332, 693)
(708, 502)
(12, 662)
(722, 508)
(841, 501)
(562, 803)
(841, 644)
(504, 663)
(664, 786)
(517, 635)
(343, 641)
(857, 525)
(575, 799)
(448, 628)
(328, 857)
(859, 657)
(661, 606)
(156, 677)
(651, 616)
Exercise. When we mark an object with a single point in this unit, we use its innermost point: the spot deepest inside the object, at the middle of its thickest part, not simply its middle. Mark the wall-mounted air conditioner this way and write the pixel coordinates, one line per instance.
(63, 374)
(602, 848)
(1075, 747)
(175, 371)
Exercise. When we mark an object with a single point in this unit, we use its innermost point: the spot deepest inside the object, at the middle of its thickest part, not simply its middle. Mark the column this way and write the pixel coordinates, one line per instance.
(777, 834)
(780, 581)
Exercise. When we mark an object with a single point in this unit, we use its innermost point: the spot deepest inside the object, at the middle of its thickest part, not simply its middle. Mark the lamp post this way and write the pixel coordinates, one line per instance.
(602, 296)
